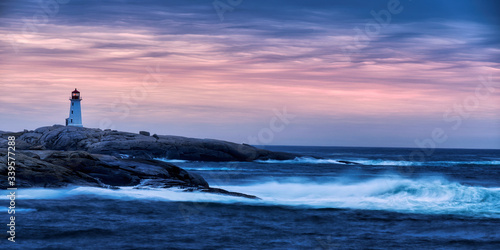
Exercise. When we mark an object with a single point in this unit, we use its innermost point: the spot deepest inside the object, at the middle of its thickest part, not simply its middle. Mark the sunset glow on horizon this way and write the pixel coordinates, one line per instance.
(172, 67)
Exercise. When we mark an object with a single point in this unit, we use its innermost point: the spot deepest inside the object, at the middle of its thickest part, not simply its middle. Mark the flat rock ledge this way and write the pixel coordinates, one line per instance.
(143, 146)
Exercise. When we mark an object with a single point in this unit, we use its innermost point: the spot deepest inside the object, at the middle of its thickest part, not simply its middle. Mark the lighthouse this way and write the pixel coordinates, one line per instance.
(75, 110)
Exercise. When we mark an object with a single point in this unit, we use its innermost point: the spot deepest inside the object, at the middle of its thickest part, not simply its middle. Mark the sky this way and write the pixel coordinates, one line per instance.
(408, 73)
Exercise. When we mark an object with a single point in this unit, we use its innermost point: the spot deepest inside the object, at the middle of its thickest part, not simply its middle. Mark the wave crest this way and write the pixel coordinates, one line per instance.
(426, 196)
(379, 162)
(433, 196)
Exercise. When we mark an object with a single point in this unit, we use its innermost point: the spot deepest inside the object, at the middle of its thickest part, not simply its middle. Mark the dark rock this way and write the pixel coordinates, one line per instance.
(349, 162)
(58, 156)
(34, 172)
(117, 144)
(225, 192)
(145, 133)
(62, 168)
(54, 169)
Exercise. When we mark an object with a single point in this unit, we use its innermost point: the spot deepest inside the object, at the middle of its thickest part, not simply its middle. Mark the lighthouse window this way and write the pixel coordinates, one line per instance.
(72, 104)
(71, 111)
(71, 120)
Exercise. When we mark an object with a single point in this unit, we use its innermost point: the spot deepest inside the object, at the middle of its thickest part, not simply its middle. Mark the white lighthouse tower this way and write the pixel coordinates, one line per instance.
(75, 110)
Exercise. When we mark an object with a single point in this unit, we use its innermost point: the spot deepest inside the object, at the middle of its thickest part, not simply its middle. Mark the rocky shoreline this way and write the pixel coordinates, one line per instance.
(142, 145)
(59, 156)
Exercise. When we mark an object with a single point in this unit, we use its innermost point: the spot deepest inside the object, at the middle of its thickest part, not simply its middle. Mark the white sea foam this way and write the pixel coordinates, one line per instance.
(216, 169)
(171, 160)
(422, 163)
(434, 196)
(302, 160)
(17, 210)
(427, 195)
(124, 193)
(387, 162)
(380, 162)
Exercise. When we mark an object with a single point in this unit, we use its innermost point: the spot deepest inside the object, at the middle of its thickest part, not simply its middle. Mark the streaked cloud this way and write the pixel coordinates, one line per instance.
(263, 56)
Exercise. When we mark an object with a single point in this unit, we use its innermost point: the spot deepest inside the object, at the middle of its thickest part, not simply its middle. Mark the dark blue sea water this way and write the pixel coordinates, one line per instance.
(448, 200)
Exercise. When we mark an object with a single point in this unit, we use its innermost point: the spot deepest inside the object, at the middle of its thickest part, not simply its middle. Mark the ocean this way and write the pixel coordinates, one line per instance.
(449, 199)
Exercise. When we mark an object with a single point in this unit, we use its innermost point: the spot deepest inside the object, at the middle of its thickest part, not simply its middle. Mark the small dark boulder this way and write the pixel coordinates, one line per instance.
(145, 133)
(225, 192)
(349, 162)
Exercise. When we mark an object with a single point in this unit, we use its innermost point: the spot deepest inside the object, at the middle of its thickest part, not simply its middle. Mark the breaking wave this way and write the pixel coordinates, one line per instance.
(430, 195)
(171, 160)
(426, 196)
(379, 162)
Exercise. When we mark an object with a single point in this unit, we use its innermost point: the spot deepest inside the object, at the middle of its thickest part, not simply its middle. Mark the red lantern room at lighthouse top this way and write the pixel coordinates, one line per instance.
(75, 95)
